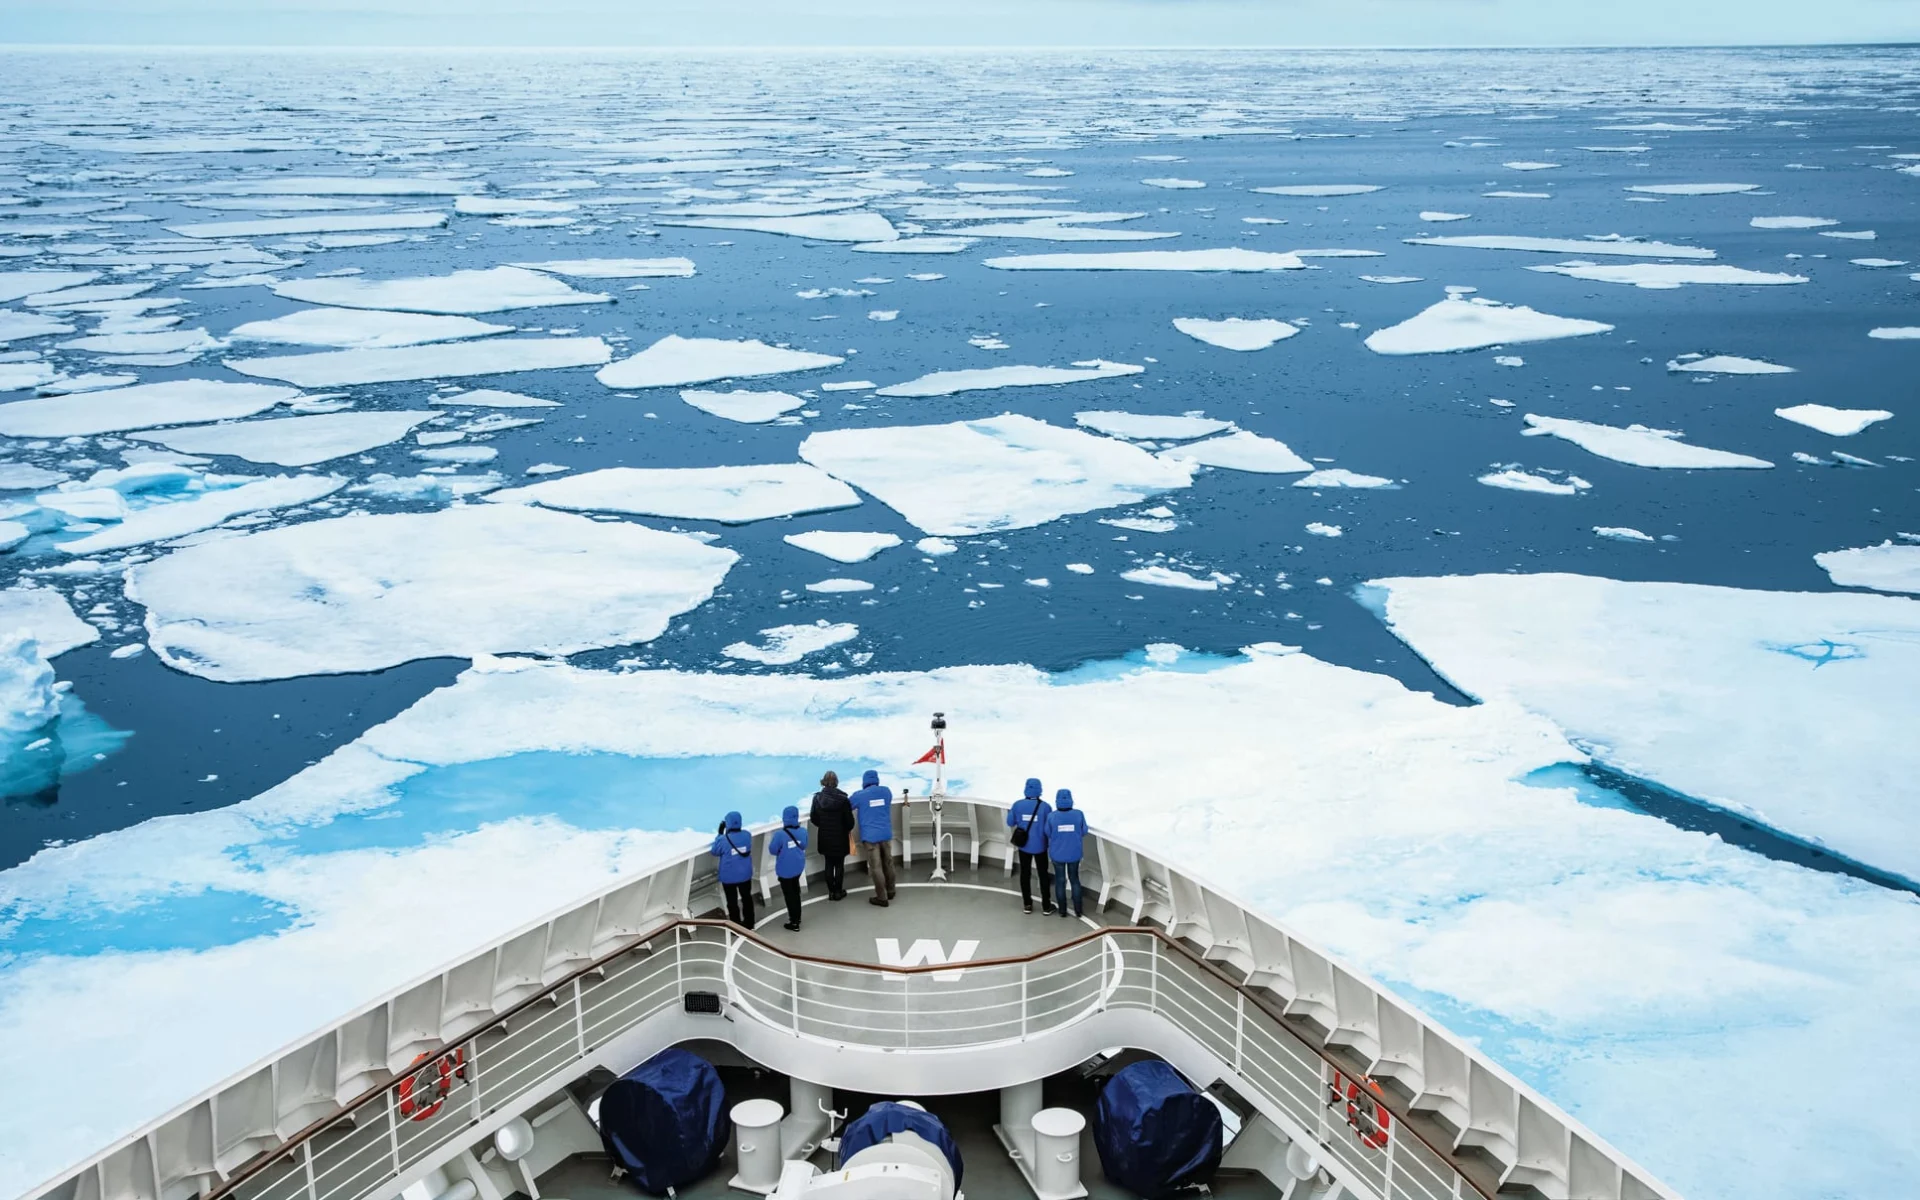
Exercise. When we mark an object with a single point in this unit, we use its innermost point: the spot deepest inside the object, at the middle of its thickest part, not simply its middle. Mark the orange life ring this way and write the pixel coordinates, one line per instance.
(437, 1079)
(1376, 1113)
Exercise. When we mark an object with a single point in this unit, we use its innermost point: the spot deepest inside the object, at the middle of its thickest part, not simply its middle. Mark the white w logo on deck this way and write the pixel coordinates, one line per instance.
(926, 952)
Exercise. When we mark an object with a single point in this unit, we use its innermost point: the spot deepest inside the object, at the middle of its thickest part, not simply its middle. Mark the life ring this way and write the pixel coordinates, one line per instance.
(436, 1079)
(1376, 1115)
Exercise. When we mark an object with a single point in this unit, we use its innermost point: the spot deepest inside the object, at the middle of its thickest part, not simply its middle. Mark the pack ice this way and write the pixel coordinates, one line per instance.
(1241, 451)
(230, 496)
(143, 406)
(843, 546)
(1637, 445)
(494, 356)
(358, 329)
(748, 408)
(1888, 567)
(1147, 427)
(1619, 246)
(978, 379)
(1473, 323)
(461, 292)
(1785, 707)
(1236, 333)
(1669, 275)
(784, 645)
(1840, 422)
(1230, 259)
(361, 593)
(1005, 472)
(826, 227)
(732, 495)
(293, 441)
(674, 361)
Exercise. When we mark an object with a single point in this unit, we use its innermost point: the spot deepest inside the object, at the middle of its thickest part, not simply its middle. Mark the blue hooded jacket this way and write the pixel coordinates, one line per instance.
(1066, 825)
(1034, 808)
(789, 845)
(734, 849)
(873, 805)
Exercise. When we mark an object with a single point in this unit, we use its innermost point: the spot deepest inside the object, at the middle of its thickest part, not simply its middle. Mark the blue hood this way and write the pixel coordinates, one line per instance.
(1063, 800)
(790, 815)
(733, 821)
(1033, 789)
(870, 779)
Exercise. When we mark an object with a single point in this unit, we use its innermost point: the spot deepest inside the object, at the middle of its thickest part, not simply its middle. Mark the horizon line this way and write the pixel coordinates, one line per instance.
(950, 47)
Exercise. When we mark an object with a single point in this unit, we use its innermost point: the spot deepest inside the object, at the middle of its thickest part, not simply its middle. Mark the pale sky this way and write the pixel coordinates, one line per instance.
(958, 22)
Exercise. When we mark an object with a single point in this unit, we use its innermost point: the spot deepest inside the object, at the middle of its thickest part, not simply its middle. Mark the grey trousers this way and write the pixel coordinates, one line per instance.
(879, 856)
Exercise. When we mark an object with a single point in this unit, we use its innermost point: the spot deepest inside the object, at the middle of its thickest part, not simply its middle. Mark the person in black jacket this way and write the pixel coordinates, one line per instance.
(832, 819)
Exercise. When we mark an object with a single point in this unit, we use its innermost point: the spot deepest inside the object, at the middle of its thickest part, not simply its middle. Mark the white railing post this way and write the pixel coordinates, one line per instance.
(1393, 1143)
(393, 1129)
(793, 986)
(906, 1010)
(1153, 962)
(1100, 997)
(579, 1022)
(1023, 1001)
(1239, 1030)
(306, 1161)
(473, 1079)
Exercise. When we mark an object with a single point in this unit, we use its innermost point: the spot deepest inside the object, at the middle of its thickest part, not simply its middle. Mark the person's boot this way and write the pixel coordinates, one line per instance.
(876, 901)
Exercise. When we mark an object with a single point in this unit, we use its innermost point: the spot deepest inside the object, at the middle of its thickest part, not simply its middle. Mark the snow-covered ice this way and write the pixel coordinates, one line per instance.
(16, 285)
(748, 408)
(977, 379)
(837, 586)
(493, 356)
(1792, 222)
(1616, 246)
(1232, 259)
(1728, 364)
(786, 644)
(1889, 567)
(1148, 427)
(1320, 189)
(1005, 472)
(1173, 183)
(1340, 477)
(1621, 533)
(143, 406)
(731, 495)
(1840, 422)
(19, 326)
(290, 226)
(1668, 275)
(161, 522)
(1242, 451)
(352, 328)
(917, 245)
(1437, 215)
(615, 268)
(493, 398)
(1236, 333)
(843, 546)
(1157, 575)
(1638, 445)
(1692, 189)
(497, 289)
(1518, 480)
(46, 615)
(1896, 333)
(674, 361)
(293, 441)
(361, 593)
(826, 227)
(1472, 323)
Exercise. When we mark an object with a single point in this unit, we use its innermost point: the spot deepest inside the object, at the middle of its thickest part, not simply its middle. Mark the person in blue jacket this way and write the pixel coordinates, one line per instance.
(733, 846)
(789, 849)
(873, 808)
(1066, 826)
(1028, 820)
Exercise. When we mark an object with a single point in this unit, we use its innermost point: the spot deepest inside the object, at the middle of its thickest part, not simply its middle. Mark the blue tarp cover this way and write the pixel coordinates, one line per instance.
(666, 1120)
(884, 1120)
(1154, 1133)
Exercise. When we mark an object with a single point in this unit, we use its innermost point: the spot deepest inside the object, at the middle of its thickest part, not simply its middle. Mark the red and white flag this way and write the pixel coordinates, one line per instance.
(936, 755)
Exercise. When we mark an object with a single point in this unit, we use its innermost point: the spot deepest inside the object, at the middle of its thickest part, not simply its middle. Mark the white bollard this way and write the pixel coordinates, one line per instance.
(1017, 1106)
(1056, 1152)
(756, 1146)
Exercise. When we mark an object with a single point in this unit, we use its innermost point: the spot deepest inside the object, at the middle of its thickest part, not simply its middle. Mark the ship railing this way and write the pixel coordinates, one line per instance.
(389, 1132)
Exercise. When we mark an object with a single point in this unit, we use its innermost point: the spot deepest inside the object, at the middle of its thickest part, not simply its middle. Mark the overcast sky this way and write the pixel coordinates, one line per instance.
(958, 22)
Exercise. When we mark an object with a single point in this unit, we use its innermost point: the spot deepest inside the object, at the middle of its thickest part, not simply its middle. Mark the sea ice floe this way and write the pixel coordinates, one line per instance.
(462, 292)
(826, 227)
(1147, 427)
(16, 477)
(1787, 708)
(46, 615)
(494, 356)
(936, 547)
(1889, 567)
(1392, 278)
(841, 545)
(1435, 215)
(1242, 451)
(289, 226)
(363, 593)
(1692, 189)
(1840, 422)
(1340, 477)
(18, 376)
(1320, 189)
(1638, 445)
(1005, 472)
(1462, 323)
(731, 495)
(502, 206)
(1058, 230)
(16, 285)
(1621, 533)
(674, 361)
(1231, 259)
(1529, 166)
(492, 398)
(1792, 222)
(361, 329)
(1546, 245)
(1157, 575)
(832, 587)
(615, 268)
(1878, 263)
(1173, 183)
(1236, 333)
(19, 326)
(917, 245)
(948, 383)
(786, 644)
(1728, 364)
(438, 489)
(1668, 275)
(1322, 529)
(293, 441)
(188, 342)
(332, 185)
(1896, 333)
(1518, 480)
(748, 408)
(161, 522)
(143, 406)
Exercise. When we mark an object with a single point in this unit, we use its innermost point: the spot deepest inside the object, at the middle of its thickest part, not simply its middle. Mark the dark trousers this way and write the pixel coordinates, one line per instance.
(1027, 863)
(740, 903)
(836, 875)
(1066, 882)
(790, 888)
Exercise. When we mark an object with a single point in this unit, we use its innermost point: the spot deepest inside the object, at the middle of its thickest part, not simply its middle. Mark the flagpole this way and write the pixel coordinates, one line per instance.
(939, 793)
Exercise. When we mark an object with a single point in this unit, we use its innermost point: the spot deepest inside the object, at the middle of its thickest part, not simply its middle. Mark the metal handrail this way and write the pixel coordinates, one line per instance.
(1398, 1109)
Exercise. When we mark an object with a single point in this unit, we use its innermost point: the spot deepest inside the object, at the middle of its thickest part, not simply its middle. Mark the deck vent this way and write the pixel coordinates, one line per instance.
(704, 1002)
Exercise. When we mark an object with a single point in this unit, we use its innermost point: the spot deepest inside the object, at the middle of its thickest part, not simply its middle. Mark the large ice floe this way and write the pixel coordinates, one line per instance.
(1230, 259)
(1473, 323)
(1242, 451)
(1840, 422)
(1637, 445)
(615, 268)
(362, 329)
(1620, 246)
(979, 379)
(1726, 364)
(493, 356)
(223, 498)
(361, 593)
(1786, 707)
(1692, 189)
(825, 227)
(732, 495)
(784, 645)
(462, 292)
(1505, 906)
(289, 226)
(1236, 333)
(1005, 472)
(674, 361)
(1668, 275)
(1889, 567)
(842, 546)
(142, 406)
(45, 614)
(293, 441)
(1320, 189)
(748, 408)
(1147, 427)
